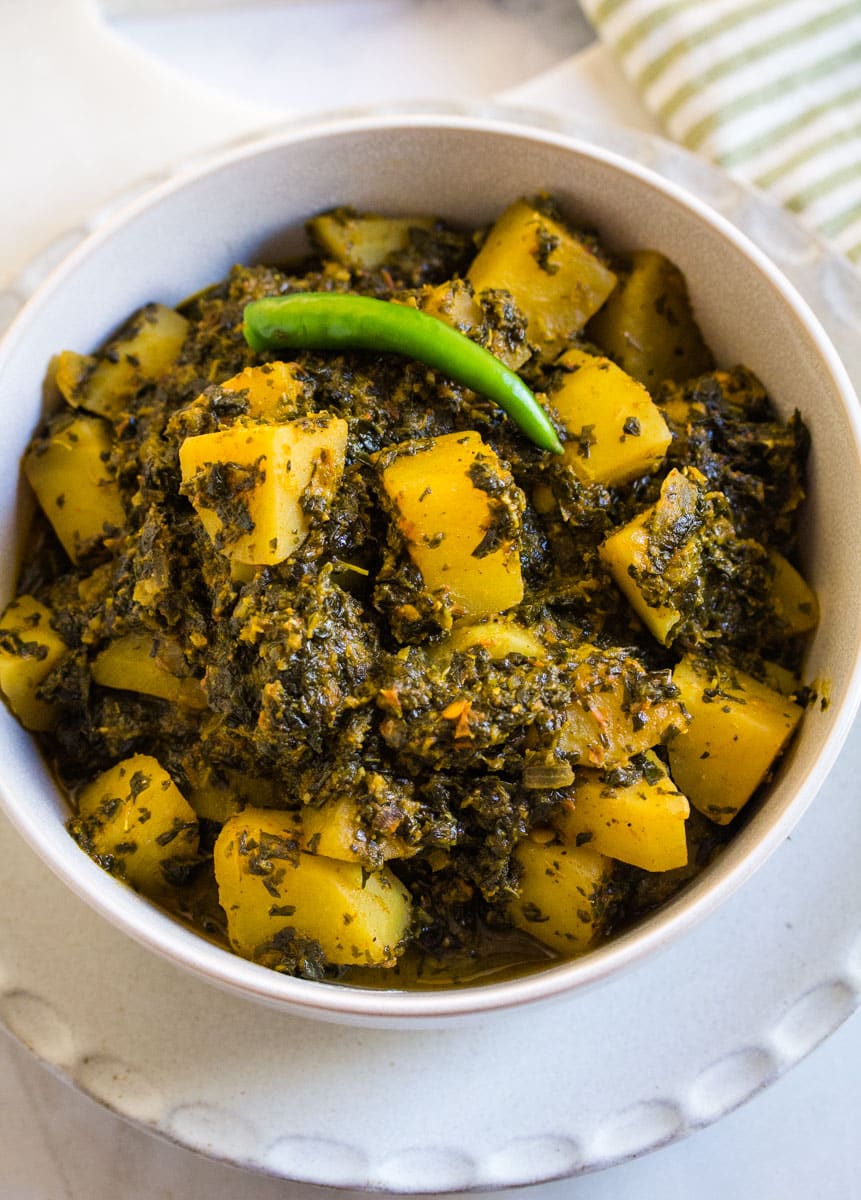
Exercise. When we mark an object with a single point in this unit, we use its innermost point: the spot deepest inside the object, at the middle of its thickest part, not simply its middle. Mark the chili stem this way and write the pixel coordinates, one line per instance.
(339, 321)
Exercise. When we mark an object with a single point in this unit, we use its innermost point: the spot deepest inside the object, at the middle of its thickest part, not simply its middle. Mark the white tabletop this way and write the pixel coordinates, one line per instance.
(224, 72)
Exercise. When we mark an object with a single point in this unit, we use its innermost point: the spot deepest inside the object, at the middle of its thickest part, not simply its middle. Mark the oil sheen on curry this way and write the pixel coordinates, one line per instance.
(334, 662)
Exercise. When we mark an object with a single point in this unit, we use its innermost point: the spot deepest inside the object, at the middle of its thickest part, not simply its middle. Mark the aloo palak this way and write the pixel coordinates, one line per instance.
(338, 665)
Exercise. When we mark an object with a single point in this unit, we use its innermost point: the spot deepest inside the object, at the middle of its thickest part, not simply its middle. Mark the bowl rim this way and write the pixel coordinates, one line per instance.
(179, 944)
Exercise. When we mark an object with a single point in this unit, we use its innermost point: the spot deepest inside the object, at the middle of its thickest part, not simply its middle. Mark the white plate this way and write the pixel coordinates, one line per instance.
(546, 1092)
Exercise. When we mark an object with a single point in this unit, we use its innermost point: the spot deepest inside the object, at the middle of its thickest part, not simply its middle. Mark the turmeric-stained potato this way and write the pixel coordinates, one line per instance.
(214, 802)
(139, 662)
(614, 430)
(618, 709)
(336, 830)
(222, 792)
(499, 636)
(647, 325)
(363, 241)
(248, 483)
(146, 347)
(554, 279)
(780, 679)
(70, 473)
(738, 728)
(455, 303)
(625, 552)
(664, 545)
(268, 886)
(792, 599)
(562, 894)
(458, 510)
(29, 649)
(135, 822)
(270, 390)
(641, 823)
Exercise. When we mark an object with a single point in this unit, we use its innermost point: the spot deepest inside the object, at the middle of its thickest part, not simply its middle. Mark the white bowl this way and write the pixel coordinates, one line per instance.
(250, 206)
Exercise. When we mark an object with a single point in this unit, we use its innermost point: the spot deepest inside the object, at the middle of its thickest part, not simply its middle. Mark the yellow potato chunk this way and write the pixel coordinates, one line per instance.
(647, 325)
(29, 649)
(336, 830)
(605, 726)
(247, 483)
(455, 303)
(447, 520)
(73, 482)
(220, 793)
(738, 728)
(139, 662)
(781, 679)
(793, 601)
(665, 544)
(629, 547)
(562, 894)
(214, 803)
(553, 278)
(615, 431)
(499, 636)
(271, 390)
(363, 241)
(144, 350)
(680, 409)
(268, 886)
(641, 823)
(134, 821)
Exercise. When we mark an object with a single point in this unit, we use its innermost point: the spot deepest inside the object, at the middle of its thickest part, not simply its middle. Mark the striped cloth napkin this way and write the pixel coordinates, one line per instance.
(770, 89)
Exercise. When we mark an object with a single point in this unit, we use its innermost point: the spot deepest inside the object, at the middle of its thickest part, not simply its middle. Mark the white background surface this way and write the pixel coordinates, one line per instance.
(798, 1139)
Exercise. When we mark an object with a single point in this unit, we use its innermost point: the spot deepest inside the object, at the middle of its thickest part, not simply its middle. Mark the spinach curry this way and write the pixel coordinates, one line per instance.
(337, 665)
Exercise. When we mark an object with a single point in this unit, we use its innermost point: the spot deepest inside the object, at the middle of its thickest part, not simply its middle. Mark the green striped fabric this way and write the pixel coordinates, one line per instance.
(770, 89)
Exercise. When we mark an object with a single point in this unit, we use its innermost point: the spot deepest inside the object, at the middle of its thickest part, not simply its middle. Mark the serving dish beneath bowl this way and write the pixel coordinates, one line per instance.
(748, 992)
(160, 249)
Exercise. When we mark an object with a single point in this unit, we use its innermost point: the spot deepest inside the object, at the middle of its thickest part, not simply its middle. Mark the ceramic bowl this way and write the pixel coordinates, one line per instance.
(250, 206)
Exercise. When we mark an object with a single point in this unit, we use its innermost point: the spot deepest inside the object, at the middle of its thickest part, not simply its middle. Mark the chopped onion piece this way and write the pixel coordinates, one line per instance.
(547, 776)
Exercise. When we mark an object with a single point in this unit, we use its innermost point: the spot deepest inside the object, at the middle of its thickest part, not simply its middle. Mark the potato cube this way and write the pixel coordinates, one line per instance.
(641, 823)
(218, 793)
(459, 512)
(331, 830)
(248, 483)
(214, 802)
(562, 894)
(647, 325)
(455, 303)
(74, 484)
(271, 390)
(135, 822)
(336, 830)
(629, 547)
(793, 601)
(605, 725)
(267, 886)
(615, 431)
(139, 662)
(363, 241)
(498, 636)
(553, 278)
(144, 350)
(664, 546)
(781, 679)
(29, 649)
(680, 408)
(738, 728)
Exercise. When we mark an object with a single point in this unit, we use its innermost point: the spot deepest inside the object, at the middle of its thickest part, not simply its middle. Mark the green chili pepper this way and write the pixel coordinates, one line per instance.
(337, 321)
